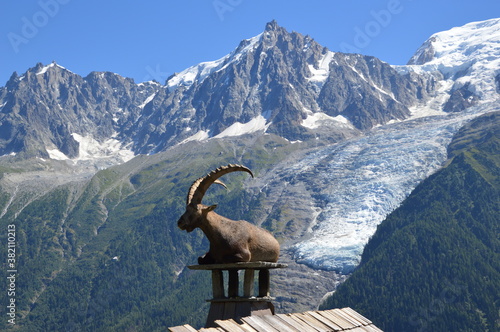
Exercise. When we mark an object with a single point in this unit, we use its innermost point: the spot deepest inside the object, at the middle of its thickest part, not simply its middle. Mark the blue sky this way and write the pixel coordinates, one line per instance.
(153, 39)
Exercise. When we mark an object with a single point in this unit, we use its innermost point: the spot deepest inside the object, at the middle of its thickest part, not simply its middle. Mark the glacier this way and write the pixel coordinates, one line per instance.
(363, 179)
(366, 178)
(92, 152)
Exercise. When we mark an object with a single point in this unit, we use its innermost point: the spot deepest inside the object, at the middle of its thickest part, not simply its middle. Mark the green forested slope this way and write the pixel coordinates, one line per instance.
(108, 256)
(434, 263)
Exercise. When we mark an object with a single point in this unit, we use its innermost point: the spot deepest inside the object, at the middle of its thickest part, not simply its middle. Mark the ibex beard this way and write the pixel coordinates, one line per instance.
(230, 241)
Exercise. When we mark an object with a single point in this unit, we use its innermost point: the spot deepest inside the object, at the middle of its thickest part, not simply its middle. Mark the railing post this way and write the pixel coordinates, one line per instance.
(233, 284)
(264, 283)
(248, 283)
(217, 284)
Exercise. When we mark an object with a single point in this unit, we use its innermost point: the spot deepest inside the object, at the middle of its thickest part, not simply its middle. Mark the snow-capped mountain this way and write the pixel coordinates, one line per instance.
(468, 58)
(380, 128)
(353, 185)
(279, 82)
(369, 176)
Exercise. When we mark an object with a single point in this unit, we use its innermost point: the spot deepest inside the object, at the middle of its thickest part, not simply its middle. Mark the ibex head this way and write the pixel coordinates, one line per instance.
(196, 212)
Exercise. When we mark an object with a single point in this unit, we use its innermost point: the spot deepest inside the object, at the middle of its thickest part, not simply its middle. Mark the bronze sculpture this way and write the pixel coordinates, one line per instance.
(230, 241)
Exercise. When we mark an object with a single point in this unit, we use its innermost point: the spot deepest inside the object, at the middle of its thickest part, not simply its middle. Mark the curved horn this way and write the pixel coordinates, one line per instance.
(200, 186)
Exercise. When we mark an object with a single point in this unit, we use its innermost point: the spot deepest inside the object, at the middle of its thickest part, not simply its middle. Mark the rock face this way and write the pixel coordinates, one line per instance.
(367, 91)
(49, 108)
(424, 54)
(282, 82)
(461, 99)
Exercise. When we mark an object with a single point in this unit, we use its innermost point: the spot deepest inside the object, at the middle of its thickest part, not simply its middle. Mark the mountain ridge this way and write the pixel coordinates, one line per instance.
(285, 78)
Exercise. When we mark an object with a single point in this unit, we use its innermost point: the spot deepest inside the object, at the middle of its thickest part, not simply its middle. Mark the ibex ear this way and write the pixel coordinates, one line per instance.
(211, 207)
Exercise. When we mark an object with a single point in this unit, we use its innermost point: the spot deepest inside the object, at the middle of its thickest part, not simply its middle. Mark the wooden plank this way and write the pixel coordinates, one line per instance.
(324, 320)
(247, 327)
(229, 325)
(375, 329)
(278, 323)
(239, 266)
(313, 322)
(211, 329)
(262, 308)
(348, 318)
(183, 328)
(244, 299)
(264, 283)
(351, 318)
(234, 284)
(248, 283)
(338, 320)
(217, 284)
(258, 324)
(357, 315)
(297, 325)
(307, 327)
(367, 328)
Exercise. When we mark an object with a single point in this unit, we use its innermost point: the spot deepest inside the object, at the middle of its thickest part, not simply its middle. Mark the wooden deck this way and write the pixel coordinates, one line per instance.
(345, 319)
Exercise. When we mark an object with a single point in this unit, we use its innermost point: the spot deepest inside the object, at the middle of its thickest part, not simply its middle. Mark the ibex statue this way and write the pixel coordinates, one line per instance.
(230, 241)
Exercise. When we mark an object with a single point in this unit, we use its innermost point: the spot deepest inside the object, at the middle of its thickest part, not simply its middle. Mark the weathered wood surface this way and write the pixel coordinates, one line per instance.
(264, 283)
(248, 283)
(339, 321)
(344, 319)
(233, 282)
(258, 324)
(295, 325)
(363, 320)
(183, 328)
(217, 284)
(225, 310)
(250, 313)
(279, 324)
(239, 266)
(244, 299)
(232, 326)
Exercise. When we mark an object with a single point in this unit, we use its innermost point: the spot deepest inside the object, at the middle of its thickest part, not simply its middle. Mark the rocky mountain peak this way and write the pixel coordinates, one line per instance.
(424, 54)
(277, 36)
(272, 26)
(278, 82)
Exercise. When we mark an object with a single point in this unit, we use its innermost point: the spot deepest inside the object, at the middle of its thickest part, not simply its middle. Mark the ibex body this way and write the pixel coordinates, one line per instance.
(230, 241)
